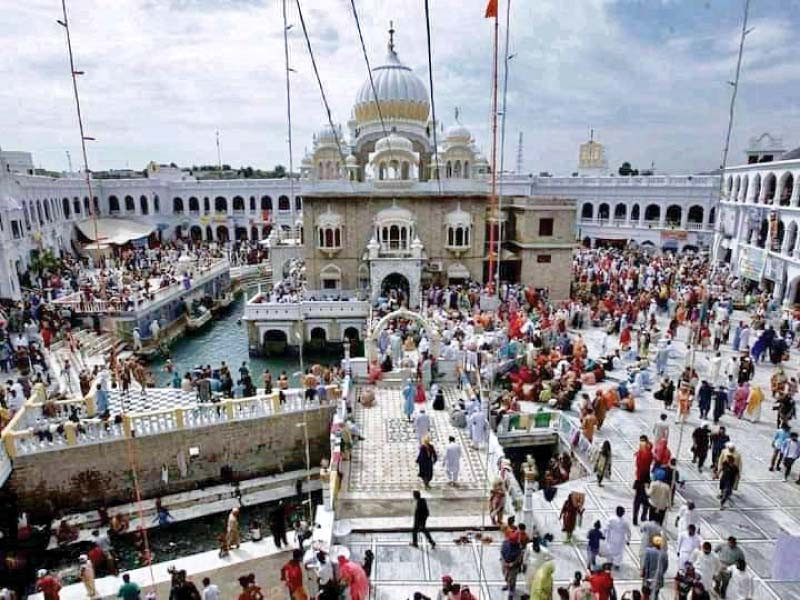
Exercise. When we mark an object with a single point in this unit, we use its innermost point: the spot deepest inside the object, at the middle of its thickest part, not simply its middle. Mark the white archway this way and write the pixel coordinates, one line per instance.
(402, 313)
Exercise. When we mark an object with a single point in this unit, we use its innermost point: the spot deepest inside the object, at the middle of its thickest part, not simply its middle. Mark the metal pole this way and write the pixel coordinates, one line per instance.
(493, 195)
(726, 147)
(289, 113)
(506, 58)
(74, 73)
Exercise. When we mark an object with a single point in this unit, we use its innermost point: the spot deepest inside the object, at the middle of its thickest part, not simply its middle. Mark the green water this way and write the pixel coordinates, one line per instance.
(224, 338)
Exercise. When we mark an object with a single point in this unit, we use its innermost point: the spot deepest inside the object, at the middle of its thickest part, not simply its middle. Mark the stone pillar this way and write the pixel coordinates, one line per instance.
(684, 217)
(662, 215)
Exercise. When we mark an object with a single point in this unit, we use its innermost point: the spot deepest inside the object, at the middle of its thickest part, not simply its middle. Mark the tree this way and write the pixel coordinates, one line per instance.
(279, 172)
(626, 170)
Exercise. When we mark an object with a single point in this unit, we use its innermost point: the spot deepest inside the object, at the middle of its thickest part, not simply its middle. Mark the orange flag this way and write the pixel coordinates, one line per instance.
(491, 9)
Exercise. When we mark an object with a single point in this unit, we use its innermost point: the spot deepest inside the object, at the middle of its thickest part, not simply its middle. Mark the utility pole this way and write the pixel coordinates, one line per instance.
(219, 155)
(735, 85)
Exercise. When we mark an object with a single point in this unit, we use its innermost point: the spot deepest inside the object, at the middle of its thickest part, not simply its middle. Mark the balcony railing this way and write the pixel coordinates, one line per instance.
(19, 439)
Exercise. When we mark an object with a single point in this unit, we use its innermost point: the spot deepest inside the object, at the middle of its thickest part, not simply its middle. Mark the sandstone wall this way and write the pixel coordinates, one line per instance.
(84, 477)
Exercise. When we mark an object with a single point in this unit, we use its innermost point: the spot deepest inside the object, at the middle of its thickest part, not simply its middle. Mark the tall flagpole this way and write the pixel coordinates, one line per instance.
(491, 11)
(506, 58)
(93, 210)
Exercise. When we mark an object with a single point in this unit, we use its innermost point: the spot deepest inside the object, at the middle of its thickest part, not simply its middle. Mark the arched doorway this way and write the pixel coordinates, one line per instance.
(222, 234)
(196, 233)
(353, 337)
(275, 343)
(317, 340)
(402, 313)
(397, 283)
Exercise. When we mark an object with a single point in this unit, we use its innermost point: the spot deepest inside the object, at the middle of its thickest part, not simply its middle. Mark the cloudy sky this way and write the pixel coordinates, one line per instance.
(163, 75)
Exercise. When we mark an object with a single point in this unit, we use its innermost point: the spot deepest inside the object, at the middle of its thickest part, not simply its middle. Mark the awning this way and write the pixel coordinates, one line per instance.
(457, 271)
(114, 231)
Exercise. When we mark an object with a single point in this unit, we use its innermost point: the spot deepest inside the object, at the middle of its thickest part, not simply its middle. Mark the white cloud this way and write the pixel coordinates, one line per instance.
(163, 75)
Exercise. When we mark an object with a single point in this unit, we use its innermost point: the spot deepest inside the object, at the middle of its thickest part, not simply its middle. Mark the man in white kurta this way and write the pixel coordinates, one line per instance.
(688, 542)
(686, 516)
(396, 345)
(618, 535)
(422, 424)
(478, 428)
(452, 460)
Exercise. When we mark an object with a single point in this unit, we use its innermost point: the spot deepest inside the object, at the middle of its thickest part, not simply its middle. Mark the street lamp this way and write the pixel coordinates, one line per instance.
(304, 425)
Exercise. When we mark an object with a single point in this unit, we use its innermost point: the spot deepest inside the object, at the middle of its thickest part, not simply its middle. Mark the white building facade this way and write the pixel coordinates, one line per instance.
(39, 213)
(665, 212)
(759, 220)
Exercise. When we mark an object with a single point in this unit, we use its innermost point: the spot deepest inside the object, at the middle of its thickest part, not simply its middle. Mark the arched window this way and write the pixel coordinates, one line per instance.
(674, 214)
(620, 210)
(652, 212)
(253, 206)
(86, 210)
(757, 188)
(298, 203)
(209, 233)
(238, 203)
(466, 169)
(770, 187)
(177, 205)
(284, 204)
(156, 204)
(587, 211)
(450, 236)
(743, 190)
(96, 202)
(787, 187)
(206, 204)
(329, 238)
(144, 205)
(457, 169)
(221, 205)
(449, 170)
(113, 205)
(712, 215)
(603, 211)
(76, 206)
(337, 237)
(194, 205)
(254, 230)
(130, 205)
(266, 203)
(695, 214)
(39, 210)
(65, 207)
(459, 236)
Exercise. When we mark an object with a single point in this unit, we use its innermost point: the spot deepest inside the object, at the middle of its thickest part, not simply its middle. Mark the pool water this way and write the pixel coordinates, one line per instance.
(181, 539)
(224, 338)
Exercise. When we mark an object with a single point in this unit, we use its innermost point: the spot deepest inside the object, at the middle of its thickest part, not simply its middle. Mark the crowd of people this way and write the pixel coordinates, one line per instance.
(526, 348)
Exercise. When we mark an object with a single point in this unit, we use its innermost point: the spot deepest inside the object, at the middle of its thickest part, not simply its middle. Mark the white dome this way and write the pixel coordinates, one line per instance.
(393, 143)
(326, 135)
(400, 92)
(458, 132)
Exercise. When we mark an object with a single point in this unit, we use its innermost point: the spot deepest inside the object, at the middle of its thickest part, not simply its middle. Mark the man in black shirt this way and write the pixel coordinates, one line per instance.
(420, 519)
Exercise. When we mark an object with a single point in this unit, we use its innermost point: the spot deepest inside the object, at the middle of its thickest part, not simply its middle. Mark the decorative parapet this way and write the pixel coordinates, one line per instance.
(20, 437)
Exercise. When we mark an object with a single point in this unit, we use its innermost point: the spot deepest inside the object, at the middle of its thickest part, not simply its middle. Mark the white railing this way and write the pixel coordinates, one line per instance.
(199, 275)
(58, 434)
(284, 311)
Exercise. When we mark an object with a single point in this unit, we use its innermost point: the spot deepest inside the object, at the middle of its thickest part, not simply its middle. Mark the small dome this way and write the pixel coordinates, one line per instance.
(326, 135)
(393, 143)
(459, 132)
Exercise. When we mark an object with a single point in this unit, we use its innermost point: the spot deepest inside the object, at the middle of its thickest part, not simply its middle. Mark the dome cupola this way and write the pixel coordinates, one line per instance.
(401, 94)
